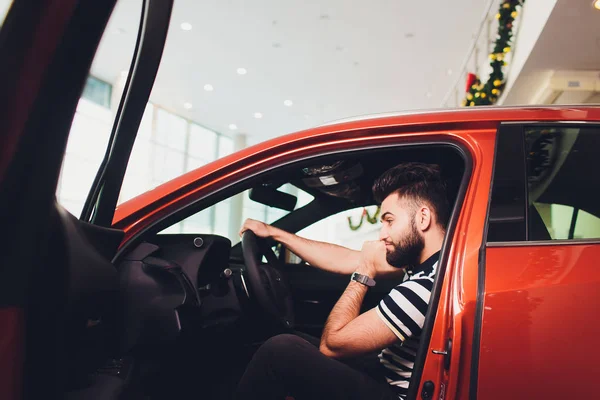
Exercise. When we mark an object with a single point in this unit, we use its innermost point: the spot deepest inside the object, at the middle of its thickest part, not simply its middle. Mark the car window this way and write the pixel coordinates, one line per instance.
(545, 184)
(97, 106)
(562, 183)
(349, 228)
(226, 217)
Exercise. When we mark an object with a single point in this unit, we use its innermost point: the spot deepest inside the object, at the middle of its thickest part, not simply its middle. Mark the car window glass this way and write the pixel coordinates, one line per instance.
(566, 222)
(345, 228)
(93, 121)
(561, 165)
(226, 217)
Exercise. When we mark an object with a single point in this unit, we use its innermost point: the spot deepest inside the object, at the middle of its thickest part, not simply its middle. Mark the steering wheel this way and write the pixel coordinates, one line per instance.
(267, 284)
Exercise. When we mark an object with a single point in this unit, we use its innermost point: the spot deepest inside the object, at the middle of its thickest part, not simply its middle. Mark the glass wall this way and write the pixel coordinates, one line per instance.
(166, 146)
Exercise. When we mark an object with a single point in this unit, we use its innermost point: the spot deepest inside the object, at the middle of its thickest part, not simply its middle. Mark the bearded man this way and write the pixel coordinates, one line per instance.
(414, 216)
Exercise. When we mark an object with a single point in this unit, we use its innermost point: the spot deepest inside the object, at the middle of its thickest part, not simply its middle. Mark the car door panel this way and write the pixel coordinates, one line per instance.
(535, 302)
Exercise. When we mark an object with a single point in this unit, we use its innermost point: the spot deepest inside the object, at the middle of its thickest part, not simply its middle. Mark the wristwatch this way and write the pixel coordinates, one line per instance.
(364, 279)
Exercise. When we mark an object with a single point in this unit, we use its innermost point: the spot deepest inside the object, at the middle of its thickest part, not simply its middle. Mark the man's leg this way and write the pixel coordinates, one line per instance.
(287, 365)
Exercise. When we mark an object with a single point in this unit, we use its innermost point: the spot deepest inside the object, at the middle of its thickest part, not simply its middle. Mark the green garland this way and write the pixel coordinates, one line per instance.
(372, 219)
(486, 94)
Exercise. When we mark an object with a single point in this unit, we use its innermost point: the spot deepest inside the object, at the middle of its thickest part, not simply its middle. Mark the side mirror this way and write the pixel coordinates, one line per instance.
(273, 198)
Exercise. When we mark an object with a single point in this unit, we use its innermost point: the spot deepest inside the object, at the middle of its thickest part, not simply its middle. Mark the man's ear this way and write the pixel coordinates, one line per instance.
(424, 218)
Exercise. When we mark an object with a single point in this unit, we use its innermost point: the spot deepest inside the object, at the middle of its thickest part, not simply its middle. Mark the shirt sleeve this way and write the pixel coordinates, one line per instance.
(403, 309)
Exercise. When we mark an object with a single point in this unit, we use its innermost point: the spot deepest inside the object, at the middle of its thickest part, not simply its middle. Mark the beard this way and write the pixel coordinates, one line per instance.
(408, 249)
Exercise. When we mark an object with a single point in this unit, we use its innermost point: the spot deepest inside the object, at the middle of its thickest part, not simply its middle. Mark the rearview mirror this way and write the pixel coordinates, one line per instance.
(273, 198)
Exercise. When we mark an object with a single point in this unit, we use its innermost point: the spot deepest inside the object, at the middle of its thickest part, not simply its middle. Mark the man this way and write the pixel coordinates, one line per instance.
(414, 213)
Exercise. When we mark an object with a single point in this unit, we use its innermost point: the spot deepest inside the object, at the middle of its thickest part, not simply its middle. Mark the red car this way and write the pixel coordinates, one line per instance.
(106, 306)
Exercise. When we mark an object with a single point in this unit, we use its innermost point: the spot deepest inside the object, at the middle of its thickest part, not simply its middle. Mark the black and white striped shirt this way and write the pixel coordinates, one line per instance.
(403, 311)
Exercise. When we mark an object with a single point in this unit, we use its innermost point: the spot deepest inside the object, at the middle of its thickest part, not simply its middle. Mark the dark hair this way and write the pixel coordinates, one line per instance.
(416, 182)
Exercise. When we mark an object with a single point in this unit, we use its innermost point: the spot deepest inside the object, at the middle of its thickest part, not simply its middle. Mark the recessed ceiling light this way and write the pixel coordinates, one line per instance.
(242, 71)
(288, 103)
(187, 106)
(208, 87)
(428, 94)
(233, 127)
(186, 26)
(449, 72)
(257, 115)
(596, 4)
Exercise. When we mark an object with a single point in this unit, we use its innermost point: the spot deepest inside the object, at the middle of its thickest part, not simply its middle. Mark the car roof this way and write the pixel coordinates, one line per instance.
(505, 113)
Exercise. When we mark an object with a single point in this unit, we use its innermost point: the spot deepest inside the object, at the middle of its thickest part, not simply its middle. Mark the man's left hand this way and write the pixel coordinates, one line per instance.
(373, 260)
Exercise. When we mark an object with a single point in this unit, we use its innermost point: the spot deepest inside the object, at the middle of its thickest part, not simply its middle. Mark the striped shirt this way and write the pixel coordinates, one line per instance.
(403, 311)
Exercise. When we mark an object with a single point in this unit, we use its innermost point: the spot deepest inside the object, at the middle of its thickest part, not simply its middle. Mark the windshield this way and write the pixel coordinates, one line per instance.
(226, 217)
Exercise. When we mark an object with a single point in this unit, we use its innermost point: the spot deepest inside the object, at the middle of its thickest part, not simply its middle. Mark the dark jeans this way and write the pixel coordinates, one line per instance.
(288, 365)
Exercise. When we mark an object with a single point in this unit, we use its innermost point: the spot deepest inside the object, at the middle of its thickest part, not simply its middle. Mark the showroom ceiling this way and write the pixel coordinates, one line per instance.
(306, 62)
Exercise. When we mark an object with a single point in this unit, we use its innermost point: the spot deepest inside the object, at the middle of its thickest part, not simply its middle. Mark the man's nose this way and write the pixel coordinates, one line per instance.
(383, 234)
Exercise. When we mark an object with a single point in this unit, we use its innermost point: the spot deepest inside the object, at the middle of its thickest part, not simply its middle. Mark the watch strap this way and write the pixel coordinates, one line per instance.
(364, 279)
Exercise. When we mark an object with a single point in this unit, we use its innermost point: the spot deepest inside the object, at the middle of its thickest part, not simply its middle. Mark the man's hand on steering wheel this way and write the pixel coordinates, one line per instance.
(267, 284)
(259, 228)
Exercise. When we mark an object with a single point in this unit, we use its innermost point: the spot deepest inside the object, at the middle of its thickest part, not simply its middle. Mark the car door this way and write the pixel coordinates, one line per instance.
(536, 326)
(47, 50)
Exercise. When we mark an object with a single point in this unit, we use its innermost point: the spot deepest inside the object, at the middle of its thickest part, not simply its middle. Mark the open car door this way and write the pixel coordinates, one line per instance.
(51, 312)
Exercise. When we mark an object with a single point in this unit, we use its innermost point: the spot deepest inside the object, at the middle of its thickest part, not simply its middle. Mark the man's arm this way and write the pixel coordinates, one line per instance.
(325, 256)
(347, 332)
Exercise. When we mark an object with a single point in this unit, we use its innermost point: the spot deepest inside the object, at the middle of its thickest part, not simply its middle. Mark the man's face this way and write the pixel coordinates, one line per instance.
(404, 242)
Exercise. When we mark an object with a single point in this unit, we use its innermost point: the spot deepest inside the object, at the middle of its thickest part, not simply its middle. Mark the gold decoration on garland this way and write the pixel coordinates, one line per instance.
(487, 93)
(372, 219)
